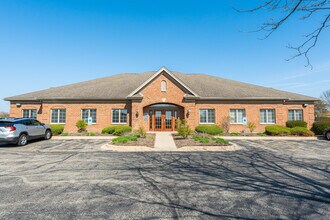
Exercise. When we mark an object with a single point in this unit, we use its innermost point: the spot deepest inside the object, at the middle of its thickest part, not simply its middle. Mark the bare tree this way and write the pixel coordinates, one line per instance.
(306, 9)
(4, 114)
(326, 98)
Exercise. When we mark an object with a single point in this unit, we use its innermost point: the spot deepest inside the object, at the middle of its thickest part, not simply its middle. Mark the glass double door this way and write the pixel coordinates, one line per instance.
(163, 120)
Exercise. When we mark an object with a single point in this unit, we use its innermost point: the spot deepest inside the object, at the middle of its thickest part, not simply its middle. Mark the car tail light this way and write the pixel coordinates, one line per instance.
(12, 128)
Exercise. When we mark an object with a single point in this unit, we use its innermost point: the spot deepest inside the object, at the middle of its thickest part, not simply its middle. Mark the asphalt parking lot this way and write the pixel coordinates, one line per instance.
(76, 179)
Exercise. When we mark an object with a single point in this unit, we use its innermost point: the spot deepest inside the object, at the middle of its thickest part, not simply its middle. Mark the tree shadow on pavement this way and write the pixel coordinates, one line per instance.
(246, 184)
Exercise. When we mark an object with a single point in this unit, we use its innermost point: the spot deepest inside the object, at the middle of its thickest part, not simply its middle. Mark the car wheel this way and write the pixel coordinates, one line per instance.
(48, 135)
(22, 140)
(327, 135)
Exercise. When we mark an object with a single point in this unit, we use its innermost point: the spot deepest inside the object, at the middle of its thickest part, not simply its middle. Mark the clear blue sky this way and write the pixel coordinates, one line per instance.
(51, 43)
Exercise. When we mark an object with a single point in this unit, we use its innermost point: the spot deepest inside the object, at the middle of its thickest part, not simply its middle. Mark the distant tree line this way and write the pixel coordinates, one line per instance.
(322, 107)
(4, 114)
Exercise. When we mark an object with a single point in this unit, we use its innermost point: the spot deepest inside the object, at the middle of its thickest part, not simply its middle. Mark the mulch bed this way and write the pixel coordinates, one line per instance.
(85, 134)
(181, 142)
(149, 141)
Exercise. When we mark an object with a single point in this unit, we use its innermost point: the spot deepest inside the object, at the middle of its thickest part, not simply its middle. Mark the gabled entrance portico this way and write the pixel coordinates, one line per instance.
(162, 117)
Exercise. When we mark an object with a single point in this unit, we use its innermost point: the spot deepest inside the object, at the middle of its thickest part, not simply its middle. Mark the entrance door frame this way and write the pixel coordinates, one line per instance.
(152, 117)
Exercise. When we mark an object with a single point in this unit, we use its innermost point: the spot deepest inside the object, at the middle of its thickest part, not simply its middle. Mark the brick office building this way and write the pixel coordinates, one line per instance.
(155, 99)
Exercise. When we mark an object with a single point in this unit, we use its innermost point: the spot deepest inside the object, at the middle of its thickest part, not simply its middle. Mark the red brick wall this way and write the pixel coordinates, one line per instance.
(252, 111)
(152, 94)
(73, 113)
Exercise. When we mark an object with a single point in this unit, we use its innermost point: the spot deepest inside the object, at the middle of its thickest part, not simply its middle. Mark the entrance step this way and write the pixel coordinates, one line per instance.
(164, 141)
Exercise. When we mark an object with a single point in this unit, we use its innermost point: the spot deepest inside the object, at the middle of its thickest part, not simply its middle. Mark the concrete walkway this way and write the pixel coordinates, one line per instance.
(164, 142)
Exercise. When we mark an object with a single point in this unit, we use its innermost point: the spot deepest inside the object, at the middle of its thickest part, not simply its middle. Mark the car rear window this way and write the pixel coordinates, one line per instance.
(6, 123)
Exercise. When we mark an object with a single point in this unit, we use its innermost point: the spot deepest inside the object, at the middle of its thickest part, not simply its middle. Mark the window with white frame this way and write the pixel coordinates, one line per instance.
(236, 116)
(58, 116)
(163, 86)
(119, 116)
(207, 116)
(88, 113)
(295, 115)
(267, 116)
(30, 113)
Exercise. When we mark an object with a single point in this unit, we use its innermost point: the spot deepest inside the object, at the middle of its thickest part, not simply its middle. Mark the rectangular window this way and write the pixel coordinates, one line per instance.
(207, 116)
(58, 116)
(236, 116)
(119, 116)
(267, 116)
(86, 113)
(30, 113)
(295, 115)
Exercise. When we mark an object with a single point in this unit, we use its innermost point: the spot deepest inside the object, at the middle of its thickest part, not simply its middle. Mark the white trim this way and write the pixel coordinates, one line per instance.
(163, 86)
(119, 117)
(58, 116)
(295, 114)
(207, 116)
(236, 116)
(267, 123)
(89, 114)
(155, 75)
(30, 112)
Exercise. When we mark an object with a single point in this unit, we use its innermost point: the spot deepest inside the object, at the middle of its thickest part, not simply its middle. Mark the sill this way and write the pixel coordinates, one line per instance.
(267, 123)
(57, 123)
(206, 123)
(119, 123)
(236, 123)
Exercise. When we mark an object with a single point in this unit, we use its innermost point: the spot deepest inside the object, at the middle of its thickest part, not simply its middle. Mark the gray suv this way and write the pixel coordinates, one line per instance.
(20, 130)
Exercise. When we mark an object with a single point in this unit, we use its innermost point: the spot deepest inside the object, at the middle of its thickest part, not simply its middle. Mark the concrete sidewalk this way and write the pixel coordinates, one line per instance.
(164, 142)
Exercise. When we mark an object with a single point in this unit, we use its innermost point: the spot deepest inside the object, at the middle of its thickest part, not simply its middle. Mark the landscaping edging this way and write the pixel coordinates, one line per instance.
(83, 137)
(271, 137)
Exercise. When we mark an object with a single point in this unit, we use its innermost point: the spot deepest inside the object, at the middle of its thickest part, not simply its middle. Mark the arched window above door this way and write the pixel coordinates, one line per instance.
(163, 86)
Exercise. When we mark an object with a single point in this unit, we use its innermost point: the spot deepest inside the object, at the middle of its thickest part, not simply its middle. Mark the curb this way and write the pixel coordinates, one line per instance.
(270, 138)
(83, 137)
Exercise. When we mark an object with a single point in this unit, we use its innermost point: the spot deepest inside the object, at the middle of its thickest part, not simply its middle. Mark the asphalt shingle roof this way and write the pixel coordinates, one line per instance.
(121, 85)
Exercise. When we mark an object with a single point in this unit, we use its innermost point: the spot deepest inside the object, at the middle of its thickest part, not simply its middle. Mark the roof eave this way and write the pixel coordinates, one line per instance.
(285, 99)
(64, 99)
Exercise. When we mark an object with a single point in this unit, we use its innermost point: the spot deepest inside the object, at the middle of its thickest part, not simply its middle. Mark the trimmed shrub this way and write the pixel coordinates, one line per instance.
(121, 130)
(108, 130)
(322, 118)
(183, 128)
(292, 124)
(57, 129)
(124, 139)
(209, 129)
(235, 134)
(90, 134)
(118, 130)
(319, 127)
(81, 125)
(276, 130)
(261, 134)
(301, 131)
(65, 134)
